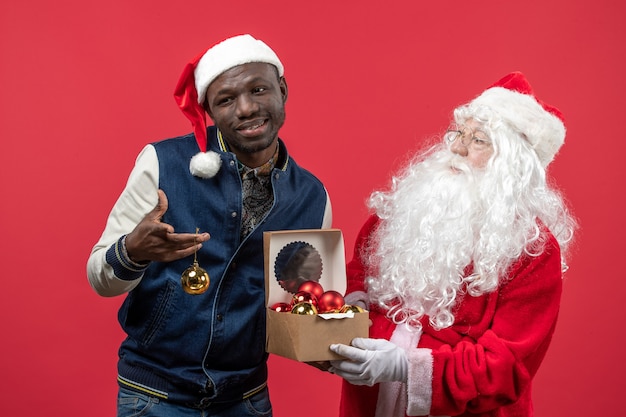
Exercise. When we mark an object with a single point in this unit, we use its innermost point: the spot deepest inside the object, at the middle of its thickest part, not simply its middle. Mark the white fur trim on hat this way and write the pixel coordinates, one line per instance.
(205, 164)
(238, 50)
(543, 130)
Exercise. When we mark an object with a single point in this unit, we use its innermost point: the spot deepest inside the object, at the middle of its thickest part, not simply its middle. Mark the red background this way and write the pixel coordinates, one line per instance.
(85, 84)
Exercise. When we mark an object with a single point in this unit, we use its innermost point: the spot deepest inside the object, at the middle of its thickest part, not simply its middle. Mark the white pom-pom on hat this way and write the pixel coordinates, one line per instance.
(198, 74)
(542, 125)
(205, 164)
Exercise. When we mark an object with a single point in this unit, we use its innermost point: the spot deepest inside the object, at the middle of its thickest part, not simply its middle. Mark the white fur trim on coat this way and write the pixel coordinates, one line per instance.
(392, 396)
(419, 382)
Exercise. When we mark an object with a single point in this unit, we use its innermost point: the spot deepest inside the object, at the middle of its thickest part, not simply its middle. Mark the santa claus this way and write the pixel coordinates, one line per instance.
(461, 268)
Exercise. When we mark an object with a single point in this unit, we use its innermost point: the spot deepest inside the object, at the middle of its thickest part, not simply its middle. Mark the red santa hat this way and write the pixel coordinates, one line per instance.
(199, 73)
(513, 99)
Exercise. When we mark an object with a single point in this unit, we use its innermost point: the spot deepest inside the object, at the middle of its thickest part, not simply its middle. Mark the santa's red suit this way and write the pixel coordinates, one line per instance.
(484, 363)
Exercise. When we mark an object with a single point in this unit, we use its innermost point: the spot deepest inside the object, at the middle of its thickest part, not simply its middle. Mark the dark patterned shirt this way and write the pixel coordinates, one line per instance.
(257, 193)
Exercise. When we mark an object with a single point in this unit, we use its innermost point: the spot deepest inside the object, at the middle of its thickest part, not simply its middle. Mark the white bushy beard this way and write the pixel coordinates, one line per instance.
(435, 223)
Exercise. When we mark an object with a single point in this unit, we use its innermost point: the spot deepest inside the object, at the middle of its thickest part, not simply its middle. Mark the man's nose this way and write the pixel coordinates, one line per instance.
(246, 106)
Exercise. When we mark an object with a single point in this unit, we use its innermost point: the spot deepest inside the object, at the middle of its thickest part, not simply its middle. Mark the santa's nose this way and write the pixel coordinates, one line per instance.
(458, 148)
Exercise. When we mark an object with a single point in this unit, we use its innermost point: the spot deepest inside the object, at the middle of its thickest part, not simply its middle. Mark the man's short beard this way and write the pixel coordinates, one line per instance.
(431, 221)
(246, 148)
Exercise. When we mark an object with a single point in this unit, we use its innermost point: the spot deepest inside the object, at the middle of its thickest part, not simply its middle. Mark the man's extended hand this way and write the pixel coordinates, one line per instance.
(152, 240)
(370, 361)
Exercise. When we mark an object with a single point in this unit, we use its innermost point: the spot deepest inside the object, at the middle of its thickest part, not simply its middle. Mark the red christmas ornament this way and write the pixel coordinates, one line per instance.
(281, 307)
(303, 297)
(330, 302)
(313, 287)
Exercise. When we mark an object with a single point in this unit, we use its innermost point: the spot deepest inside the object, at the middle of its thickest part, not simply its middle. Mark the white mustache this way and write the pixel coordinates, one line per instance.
(456, 162)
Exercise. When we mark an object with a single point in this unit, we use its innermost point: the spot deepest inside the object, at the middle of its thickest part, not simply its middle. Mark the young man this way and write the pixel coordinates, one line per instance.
(205, 197)
(461, 267)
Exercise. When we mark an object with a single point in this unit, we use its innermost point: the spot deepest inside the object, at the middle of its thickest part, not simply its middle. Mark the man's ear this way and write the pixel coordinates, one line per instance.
(207, 109)
(283, 88)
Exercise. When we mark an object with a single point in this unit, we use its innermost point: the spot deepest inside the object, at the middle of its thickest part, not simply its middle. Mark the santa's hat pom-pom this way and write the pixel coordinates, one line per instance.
(205, 164)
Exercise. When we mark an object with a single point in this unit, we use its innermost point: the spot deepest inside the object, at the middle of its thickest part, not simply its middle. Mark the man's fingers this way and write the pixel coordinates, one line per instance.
(159, 210)
(321, 365)
(175, 254)
(176, 246)
(184, 241)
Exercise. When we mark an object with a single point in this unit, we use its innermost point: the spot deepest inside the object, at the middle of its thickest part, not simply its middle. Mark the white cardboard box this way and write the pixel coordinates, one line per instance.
(306, 338)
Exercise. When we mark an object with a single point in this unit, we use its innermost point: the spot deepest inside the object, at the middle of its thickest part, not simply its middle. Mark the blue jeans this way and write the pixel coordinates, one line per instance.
(135, 404)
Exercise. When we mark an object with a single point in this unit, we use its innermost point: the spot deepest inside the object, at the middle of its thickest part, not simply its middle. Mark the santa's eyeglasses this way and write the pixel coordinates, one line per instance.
(467, 137)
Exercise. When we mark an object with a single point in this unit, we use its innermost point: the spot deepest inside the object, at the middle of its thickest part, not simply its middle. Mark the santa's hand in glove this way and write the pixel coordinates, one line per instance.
(370, 361)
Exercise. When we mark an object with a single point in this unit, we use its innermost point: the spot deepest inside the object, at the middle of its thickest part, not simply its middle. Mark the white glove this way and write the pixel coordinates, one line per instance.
(370, 361)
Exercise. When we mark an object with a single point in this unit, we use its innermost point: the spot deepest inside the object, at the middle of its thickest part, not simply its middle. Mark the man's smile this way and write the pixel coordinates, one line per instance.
(253, 128)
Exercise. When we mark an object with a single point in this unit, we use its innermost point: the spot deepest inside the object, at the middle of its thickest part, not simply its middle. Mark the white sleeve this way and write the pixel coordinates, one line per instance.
(328, 213)
(138, 199)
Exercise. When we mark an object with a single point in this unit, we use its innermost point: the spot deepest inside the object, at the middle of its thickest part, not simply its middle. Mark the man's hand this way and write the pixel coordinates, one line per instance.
(370, 361)
(152, 240)
(321, 365)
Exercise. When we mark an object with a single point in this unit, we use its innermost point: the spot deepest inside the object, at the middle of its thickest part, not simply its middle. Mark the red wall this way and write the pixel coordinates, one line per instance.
(85, 84)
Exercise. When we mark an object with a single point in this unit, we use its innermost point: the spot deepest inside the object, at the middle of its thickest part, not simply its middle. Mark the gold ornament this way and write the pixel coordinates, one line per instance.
(195, 280)
(304, 309)
(353, 308)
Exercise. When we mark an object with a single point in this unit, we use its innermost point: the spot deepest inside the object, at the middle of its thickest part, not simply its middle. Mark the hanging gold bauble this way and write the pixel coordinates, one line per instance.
(194, 279)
